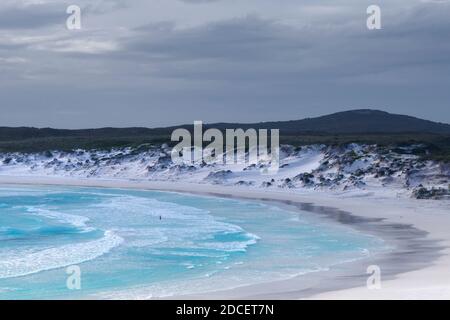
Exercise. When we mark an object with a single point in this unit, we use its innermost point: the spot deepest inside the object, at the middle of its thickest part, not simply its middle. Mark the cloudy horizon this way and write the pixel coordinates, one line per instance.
(168, 62)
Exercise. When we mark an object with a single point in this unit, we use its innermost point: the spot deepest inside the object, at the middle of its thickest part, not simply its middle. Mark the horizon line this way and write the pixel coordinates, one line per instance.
(218, 122)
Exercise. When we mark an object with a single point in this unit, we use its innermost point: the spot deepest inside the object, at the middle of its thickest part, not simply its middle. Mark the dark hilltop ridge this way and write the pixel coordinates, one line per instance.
(345, 122)
(353, 121)
(355, 126)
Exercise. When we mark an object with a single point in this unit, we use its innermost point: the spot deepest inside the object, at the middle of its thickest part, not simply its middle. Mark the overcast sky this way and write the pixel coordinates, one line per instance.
(165, 62)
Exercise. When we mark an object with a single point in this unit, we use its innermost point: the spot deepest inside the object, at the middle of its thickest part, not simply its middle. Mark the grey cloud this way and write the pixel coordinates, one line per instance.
(249, 48)
(106, 6)
(238, 39)
(199, 1)
(32, 16)
(248, 67)
(47, 14)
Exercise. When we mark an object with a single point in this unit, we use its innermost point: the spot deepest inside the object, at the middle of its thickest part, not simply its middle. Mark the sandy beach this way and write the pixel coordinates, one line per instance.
(417, 268)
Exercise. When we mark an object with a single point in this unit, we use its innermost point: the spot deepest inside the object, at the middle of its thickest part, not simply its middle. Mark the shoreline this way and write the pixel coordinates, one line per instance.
(417, 268)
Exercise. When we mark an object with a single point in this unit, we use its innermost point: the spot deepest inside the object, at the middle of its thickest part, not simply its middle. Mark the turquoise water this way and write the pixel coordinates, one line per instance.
(142, 244)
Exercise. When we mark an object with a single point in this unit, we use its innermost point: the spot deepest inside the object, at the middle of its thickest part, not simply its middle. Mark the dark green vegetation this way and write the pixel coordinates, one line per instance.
(30, 145)
(433, 193)
(435, 146)
(357, 126)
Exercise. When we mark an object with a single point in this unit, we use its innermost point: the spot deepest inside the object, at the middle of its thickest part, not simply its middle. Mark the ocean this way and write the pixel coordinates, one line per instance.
(132, 244)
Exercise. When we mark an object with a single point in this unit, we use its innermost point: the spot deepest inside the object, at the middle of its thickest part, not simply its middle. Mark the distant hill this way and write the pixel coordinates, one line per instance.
(347, 122)
(20, 133)
(351, 122)
(359, 126)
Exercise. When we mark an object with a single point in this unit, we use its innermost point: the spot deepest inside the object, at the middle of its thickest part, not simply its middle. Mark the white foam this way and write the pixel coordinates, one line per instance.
(181, 227)
(75, 220)
(22, 264)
